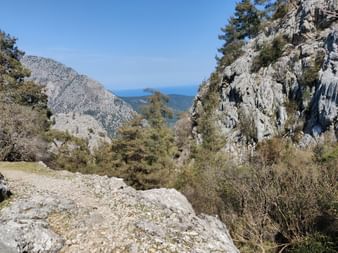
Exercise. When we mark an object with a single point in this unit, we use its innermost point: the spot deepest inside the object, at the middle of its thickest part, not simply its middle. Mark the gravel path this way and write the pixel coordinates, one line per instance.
(65, 212)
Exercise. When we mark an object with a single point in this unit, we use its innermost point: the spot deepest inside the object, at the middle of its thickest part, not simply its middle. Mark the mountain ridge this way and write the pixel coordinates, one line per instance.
(69, 91)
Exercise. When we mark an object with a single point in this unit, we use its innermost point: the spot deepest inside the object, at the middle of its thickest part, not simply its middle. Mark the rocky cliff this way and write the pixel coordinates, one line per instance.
(296, 95)
(82, 126)
(70, 92)
(58, 211)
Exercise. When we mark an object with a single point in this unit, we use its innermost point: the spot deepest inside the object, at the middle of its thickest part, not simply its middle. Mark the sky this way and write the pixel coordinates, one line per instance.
(124, 44)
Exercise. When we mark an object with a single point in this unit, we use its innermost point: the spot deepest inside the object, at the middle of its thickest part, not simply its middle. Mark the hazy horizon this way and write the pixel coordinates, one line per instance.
(185, 90)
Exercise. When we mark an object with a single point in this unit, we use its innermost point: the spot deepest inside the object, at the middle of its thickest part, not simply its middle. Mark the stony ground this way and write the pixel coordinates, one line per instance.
(65, 212)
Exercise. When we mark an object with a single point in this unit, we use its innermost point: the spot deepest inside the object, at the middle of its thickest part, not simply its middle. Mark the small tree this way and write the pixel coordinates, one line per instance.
(144, 149)
(156, 111)
(23, 108)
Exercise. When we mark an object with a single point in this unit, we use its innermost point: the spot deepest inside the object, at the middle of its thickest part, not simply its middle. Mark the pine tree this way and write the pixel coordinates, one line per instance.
(156, 110)
(23, 107)
(144, 148)
(245, 24)
(273, 8)
(247, 19)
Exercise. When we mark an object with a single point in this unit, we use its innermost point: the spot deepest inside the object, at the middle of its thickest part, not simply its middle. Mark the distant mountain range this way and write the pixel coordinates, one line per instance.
(178, 103)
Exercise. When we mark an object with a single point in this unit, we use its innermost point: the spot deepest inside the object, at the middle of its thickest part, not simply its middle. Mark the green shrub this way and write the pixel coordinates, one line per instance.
(316, 243)
(281, 198)
(269, 54)
(281, 11)
(70, 153)
(230, 53)
(247, 125)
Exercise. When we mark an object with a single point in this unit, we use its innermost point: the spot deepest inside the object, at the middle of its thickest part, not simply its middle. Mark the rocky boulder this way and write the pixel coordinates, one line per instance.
(4, 190)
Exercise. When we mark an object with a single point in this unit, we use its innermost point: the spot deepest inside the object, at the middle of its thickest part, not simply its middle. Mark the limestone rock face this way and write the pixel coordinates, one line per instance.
(278, 99)
(58, 211)
(70, 92)
(82, 126)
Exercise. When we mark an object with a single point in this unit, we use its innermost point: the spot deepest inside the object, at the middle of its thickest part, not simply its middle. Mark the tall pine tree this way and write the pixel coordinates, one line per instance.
(245, 24)
(144, 148)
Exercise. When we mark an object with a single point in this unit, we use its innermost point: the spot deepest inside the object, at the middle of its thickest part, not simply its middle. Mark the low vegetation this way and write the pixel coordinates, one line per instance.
(269, 53)
(284, 199)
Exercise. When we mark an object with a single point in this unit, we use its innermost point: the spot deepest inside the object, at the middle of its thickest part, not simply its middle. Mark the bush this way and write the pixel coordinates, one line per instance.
(230, 53)
(282, 199)
(70, 153)
(281, 11)
(316, 243)
(21, 137)
(269, 54)
(247, 125)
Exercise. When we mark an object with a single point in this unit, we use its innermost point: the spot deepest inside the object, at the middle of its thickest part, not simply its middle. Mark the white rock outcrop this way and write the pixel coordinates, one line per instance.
(65, 212)
(275, 100)
(82, 126)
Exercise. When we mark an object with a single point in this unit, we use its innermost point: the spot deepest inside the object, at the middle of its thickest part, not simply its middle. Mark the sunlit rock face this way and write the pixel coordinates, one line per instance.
(276, 100)
(70, 92)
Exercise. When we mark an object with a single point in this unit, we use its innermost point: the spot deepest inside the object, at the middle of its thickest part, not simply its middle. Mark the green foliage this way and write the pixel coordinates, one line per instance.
(247, 19)
(281, 199)
(143, 150)
(70, 153)
(281, 8)
(156, 110)
(23, 108)
(269, 54)
(230, 52)
(206, 125)
(274, 9)
(244, 24)
(316, 243)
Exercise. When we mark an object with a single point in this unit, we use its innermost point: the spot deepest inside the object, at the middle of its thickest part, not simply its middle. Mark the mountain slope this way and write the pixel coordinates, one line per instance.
(295, 95)
(58, 211)
(81, 126)
(70, 92)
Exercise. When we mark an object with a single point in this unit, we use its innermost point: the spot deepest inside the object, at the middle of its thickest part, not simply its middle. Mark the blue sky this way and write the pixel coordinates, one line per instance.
(125, 44)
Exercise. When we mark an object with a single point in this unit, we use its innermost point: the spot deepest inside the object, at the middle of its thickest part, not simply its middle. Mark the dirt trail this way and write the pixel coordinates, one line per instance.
(58, 211)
